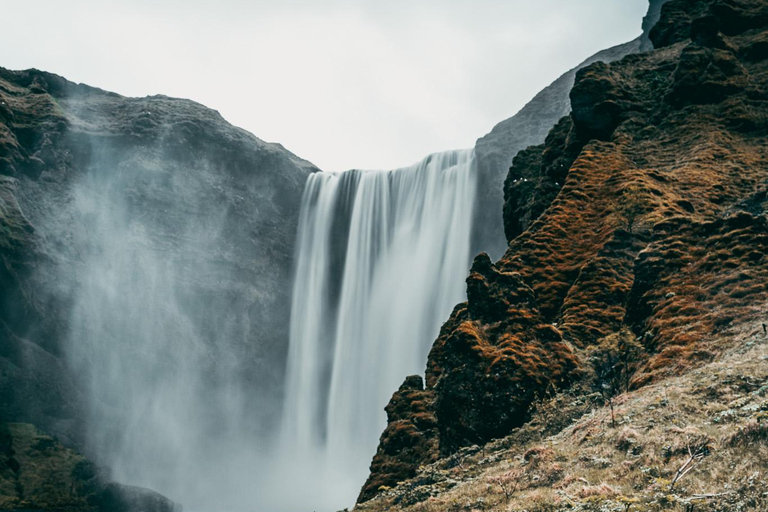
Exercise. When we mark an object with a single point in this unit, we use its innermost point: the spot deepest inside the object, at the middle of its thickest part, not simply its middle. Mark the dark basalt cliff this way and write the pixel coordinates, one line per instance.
(192, 191)
(640, 219)
(495, 151)
(38, 473)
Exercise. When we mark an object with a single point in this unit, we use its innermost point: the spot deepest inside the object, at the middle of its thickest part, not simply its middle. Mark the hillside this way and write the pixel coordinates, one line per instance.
(637, 262)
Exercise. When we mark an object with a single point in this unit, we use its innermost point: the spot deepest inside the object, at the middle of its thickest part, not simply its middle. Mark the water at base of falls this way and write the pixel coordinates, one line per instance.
(381, 262)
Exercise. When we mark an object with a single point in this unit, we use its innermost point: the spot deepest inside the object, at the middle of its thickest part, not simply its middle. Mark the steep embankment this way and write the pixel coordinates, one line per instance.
(638, 251)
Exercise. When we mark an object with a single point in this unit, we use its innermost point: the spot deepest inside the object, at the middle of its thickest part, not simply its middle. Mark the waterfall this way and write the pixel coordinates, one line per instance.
(165, 352)
(380, 263)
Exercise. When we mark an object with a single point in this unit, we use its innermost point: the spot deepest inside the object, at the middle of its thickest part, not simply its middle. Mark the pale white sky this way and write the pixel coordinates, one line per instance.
(343, 83)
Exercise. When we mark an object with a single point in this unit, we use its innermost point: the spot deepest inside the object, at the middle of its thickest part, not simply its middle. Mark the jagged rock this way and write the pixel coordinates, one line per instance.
(493, 357)
(531, 186)
(674, 25)
(410, 440)
(706, 75)
(732, 17)
(595, 101)
(38, 473)
(677, 136)
(495, 152)
(519, 190)
(537, 175)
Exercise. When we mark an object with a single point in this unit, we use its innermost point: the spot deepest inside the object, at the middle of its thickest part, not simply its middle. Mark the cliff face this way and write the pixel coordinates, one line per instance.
(190, 192)
(637, 233)
(38, 473)
(495, 151)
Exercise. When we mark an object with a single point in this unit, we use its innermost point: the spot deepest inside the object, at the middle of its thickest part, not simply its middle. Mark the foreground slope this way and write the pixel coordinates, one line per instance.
(716, 413)
(638, 251)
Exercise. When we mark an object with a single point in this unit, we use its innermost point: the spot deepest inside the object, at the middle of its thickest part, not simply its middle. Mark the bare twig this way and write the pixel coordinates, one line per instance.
(509, 482)
(694, 458)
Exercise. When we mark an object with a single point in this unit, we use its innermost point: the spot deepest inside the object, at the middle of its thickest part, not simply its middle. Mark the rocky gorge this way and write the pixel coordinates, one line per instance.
(637, 256)
(610, 355)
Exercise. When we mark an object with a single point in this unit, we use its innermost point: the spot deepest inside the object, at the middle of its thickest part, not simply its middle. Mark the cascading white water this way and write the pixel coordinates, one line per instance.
(381, 260)
(168, 370)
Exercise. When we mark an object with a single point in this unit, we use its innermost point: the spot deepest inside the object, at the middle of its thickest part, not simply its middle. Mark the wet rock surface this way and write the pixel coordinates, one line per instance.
(206, 212)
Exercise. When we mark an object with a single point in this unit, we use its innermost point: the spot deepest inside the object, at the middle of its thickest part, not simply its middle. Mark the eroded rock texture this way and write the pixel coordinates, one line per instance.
(38, 473)
(496, 150)
(643, 212)
(410, 439)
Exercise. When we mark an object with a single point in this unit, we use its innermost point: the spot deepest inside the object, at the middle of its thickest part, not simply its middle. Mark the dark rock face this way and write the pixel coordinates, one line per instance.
(733, 17)
(536, 176)
(492, 358)
(409, 441)
(496, 150)
(650, 20)
(643, 212)
(38, 473)
(706, 75)
(213, 202)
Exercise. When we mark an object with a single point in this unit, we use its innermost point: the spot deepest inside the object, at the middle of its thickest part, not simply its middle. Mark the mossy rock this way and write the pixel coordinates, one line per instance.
(38, 473)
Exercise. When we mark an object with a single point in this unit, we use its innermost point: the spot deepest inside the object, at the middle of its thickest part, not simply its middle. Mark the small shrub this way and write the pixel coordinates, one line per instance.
(632, 207)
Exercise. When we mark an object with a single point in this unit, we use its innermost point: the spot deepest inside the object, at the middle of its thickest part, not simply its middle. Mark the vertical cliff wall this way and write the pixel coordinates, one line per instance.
(529, 127)
(640, 218)
(146, 249)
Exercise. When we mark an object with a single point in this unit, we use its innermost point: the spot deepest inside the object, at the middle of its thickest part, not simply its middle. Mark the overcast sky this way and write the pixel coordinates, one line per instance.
(370, 84)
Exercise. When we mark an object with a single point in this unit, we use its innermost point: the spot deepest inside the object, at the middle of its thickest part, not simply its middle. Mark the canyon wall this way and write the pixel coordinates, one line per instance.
(496, 150)
(638, 224)
(146, 249)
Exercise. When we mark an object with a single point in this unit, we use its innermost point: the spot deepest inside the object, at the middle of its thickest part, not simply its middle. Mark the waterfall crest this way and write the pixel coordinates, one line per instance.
(380, 263)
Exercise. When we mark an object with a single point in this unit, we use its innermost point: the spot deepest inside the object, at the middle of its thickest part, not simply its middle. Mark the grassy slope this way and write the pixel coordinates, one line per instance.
(593, 465)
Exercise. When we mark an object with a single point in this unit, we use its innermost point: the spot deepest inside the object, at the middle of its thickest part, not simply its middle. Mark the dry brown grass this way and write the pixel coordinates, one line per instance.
(720, 408)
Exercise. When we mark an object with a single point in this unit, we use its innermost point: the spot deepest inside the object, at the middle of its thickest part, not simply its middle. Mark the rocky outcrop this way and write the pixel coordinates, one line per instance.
(642, 213)
(494, 153)
(38, 473)
(409, 441)
(493, 358)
